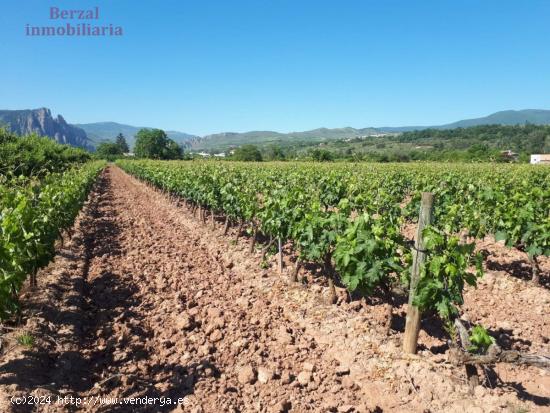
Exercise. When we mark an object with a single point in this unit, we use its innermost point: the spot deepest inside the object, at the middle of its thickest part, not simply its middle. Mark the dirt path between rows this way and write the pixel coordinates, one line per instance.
(143, 301)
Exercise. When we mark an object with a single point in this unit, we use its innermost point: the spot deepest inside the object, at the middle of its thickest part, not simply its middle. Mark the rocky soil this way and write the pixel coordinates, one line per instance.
(143, 300)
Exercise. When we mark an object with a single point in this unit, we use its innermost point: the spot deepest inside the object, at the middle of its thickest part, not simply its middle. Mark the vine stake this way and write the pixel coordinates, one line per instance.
(253, 240)
(412, 326)
(280, 256)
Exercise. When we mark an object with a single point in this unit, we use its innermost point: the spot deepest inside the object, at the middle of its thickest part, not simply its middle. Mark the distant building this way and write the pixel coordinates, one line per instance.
(540, 158)
(129, 154)
(509, 155)
(377, 135)
(220, 155)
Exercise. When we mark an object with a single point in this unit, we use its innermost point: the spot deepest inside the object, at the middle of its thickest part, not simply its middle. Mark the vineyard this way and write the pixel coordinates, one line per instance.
(354, 216)
(34, 212)
(286, 286)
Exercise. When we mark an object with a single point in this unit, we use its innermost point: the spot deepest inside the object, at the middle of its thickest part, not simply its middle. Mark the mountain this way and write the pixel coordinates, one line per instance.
(41, 122)
(88, 135)
(101, 131)
(505, 117)
(229, 139)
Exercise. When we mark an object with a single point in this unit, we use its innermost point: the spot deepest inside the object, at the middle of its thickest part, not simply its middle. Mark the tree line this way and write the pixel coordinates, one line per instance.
(150, 143)
(473, 144)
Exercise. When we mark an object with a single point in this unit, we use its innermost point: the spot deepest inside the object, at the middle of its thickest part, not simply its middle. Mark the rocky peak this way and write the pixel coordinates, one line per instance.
(41, 122)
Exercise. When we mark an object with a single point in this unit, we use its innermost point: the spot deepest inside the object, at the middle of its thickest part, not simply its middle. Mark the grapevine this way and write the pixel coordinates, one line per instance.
(349, 218)
(32, 216)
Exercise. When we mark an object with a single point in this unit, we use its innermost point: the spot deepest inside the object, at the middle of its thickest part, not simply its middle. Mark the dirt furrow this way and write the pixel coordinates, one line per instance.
(208, 334)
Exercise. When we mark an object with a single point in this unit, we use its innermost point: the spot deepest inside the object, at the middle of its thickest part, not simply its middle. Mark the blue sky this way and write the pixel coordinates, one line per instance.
(287, 65)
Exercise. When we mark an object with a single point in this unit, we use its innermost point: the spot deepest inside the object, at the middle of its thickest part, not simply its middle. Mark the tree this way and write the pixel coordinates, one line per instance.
(155, 144)
(275, 153)
(108, 150)
(249, 153)
(321, 155)
(173, 150)
(121, 142)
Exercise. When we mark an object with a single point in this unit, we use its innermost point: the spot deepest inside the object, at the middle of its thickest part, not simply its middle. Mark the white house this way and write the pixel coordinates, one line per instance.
(540, 158)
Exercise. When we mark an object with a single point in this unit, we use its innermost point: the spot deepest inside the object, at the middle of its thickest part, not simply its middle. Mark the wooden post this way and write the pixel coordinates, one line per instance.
(253, 240)
(280, 255)
(412, 326)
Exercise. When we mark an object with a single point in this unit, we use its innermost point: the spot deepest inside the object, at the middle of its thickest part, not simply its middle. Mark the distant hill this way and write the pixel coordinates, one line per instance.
(505, 117)
(41, 122)
(88, 135)
(229, 139)
(107, 131)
